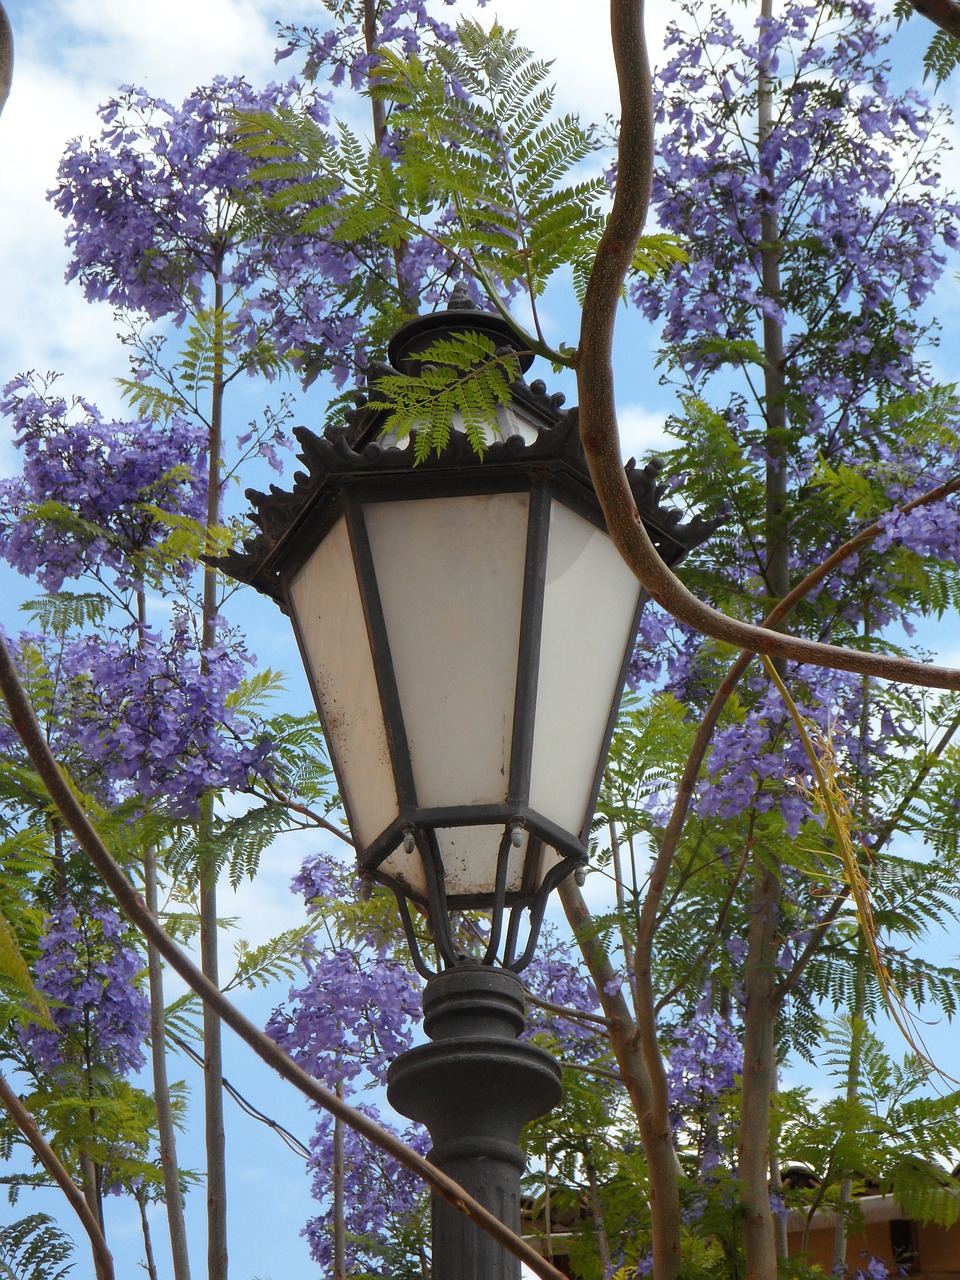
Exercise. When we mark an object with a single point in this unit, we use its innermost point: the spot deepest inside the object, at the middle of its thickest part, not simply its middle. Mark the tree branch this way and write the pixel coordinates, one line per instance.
(6, 56)
(598, 415)
(50, 1161)
(131, 904)
(943, 13)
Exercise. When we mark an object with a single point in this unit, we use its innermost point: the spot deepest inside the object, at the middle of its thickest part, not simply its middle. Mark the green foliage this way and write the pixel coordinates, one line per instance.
(943, 52)
(889, 1133)
(18, 995)
(34, 1248)
(499, 181)
(278, 958)
(460, 385)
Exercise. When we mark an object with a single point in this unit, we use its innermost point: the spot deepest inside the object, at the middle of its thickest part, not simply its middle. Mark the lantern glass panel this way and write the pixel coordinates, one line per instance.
(450, 577)
(406, 870)
(470, 860)
(332, 633)
(590, 601)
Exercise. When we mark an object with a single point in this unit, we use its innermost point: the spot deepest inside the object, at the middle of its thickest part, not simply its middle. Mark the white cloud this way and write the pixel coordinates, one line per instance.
(642, 432)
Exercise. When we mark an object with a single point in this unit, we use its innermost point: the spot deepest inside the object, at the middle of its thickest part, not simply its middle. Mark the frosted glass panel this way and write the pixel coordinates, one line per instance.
(408, 869)
(450, 575)
(589, 604)
(326, 605)
(470, 860)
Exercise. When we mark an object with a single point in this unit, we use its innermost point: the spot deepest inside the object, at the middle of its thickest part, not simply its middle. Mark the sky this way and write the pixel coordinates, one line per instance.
(71, 55)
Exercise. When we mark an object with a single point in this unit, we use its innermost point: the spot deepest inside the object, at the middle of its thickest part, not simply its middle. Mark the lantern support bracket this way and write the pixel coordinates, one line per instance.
(438, 909)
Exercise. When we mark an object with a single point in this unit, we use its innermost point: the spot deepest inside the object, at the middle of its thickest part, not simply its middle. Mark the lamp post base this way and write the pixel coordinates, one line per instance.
(474, 1087)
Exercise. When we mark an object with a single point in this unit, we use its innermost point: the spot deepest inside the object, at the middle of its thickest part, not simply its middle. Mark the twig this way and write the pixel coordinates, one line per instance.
(572, 1015)
(598, 413)
(6, 56)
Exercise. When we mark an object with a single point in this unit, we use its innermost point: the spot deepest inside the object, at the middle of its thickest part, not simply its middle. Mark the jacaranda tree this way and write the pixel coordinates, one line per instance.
(751, 818)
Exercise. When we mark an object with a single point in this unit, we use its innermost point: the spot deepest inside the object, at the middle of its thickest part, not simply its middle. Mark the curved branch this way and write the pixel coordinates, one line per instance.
(6, 56)
(51, 1162)
(131, 904)
(598, 414)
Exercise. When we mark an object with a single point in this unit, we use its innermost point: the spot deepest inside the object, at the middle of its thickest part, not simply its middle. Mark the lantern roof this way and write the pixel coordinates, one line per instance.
(345, 454)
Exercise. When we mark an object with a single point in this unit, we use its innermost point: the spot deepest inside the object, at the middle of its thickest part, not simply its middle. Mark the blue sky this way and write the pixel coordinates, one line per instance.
(72, 54)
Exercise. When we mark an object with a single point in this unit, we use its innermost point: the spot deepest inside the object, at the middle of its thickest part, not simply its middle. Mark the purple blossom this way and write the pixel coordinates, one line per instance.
(92, 492)
(705, 1059)
(355, 1012)
(384, 1198)
(87, 970)
(158, 219)
(159, 720)
(555, 975)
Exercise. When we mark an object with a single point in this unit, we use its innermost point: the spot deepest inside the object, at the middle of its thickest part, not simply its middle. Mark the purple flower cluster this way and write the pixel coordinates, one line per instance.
(146, 717)
(321, 877)
(159, 716)
(761, 747)
(850, 172)
(160, 211)
(381, 1201)
(858, 245)
(705, 1061)
(555, 975)
(87, 971)
(341, 50)
(355, 1013)
(91, 489)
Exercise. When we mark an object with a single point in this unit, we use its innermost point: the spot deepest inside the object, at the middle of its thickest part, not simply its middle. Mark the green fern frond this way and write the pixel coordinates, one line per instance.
(150, 401)
(66, 611)
(462, 383)
(34, 1248)
(278, 958)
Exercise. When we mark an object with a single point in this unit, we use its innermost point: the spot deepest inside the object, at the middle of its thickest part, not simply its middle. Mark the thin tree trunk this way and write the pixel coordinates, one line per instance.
(759, 1057)
(406, 290)
(625, 939)
(166, 1131)
(209, 932)
(599, 1225)
(634, 1045)
(854, 1065)
(547, 1216)
(776, 1186)
(339, 1199)
(759, 1076)
(147, 1240)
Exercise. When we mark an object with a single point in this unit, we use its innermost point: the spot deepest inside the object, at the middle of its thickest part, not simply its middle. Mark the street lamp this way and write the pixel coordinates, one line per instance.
(466, 627)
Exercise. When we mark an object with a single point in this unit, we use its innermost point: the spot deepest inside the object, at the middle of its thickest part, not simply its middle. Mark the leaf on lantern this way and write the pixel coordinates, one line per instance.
(463, 380)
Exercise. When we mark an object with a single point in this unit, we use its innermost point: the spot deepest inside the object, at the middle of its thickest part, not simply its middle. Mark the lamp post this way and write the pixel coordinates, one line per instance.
(466, 627)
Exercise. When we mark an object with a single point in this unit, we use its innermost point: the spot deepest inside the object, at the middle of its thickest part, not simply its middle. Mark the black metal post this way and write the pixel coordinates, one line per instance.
(475, 1087)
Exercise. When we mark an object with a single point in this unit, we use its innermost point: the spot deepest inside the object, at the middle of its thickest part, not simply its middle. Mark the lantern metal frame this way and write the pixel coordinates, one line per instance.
(349, 468)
